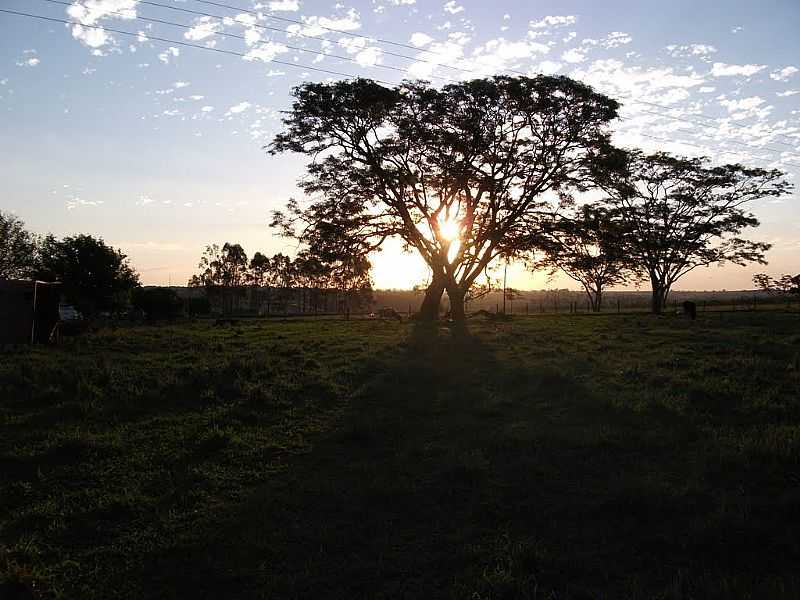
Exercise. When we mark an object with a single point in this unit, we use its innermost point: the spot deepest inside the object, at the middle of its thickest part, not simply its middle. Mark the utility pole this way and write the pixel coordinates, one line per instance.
(505, 272)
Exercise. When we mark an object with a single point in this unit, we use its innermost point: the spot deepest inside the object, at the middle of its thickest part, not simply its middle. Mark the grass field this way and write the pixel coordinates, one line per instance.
(552, 457)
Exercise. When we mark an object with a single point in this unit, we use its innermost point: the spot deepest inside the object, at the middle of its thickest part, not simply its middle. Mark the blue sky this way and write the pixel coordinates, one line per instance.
(158, 147)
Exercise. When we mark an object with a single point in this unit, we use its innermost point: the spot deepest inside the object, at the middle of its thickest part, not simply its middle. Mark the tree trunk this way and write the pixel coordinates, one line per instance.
(659, 299)
(429, 311)
(597, 300)
(456, 296)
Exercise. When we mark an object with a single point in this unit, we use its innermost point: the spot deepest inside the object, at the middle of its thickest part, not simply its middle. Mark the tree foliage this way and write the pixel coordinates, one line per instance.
(457, 174)
(95, 276)
(786, 284)
(18, 248)
(589, 245)
(684, 213)
(225, 267)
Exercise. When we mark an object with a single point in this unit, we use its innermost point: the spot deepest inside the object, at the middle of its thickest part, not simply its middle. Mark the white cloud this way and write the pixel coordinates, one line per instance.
(170, 52)
(724, 70)
(616, 39)
(548, 67)
(452, 7)
(266, 52)
(144, 200)
(553, 21)
(787, 93)
(701, 50)
(207, 109)
(369, 57)
(203, 27)
(180, 84)
(783, 74)
(315, 25)
(239, 108)
(284, 5)
(91, 12)
(420, 39)
(574, 55)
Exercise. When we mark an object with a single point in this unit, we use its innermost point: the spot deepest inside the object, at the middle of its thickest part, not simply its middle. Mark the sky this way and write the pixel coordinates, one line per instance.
(158, 147)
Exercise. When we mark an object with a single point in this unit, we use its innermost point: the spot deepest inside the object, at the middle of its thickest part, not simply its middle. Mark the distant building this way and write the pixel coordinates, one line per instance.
(29, 311)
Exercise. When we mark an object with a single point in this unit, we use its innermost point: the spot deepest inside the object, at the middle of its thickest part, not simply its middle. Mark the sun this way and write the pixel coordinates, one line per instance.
(450, 230)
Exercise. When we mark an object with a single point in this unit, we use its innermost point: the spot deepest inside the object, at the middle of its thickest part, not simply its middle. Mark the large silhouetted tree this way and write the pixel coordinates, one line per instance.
(94, 275)
(684, 213)
(458, 173)
(587, 244)
(18, 252)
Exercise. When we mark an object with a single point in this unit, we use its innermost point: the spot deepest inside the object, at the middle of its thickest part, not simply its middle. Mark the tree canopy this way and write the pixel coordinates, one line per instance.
(684, 213)
(589, 245)
(18, 248)
(95, 276)
(457, 173)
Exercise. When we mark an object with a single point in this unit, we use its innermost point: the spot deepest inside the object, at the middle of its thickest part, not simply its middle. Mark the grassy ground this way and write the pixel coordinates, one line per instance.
(550, 457)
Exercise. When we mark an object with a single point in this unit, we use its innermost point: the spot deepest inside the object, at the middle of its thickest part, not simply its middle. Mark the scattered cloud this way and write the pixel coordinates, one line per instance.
(553, 21)
(29, 59)
(266, 52)
(783, 74)
(284, 5)
(420, 39)
(787, 93)
(169, 53)
(719, 69)
(574, 55)
(452, 7)
(689, 50)
(315, 25)
(203, 27)
(238, 108)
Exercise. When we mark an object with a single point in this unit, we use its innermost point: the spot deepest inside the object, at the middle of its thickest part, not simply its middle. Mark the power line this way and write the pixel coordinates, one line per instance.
(687, 118)
(730, 141)
(277, 61)
(331, 29)
(302, 35)
(188, 44)
(243, 38)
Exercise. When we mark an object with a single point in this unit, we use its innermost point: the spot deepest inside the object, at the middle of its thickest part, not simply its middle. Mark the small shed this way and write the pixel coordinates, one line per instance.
(28, 311)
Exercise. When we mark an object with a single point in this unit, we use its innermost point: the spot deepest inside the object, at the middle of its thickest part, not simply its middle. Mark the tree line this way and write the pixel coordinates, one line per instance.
(467, 176)
(306, 280)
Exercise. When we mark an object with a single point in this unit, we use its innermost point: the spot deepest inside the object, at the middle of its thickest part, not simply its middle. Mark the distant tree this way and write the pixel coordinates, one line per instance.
(786, 284)
(224, 267)
(588, 245)
(18, 248)
(157, 303)
(259, 270)
(683, 213)
(95, 276)
(457, 173)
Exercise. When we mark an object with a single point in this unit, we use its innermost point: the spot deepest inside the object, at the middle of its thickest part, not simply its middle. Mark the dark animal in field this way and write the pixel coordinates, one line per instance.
(390, 313)
(690, 309)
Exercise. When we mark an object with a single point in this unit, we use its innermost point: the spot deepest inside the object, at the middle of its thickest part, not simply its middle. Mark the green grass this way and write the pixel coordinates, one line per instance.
(549, 457)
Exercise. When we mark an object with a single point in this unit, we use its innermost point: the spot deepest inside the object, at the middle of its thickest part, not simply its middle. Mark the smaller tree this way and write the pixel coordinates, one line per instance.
(684, 213)
(259, 270)
(95, 276)
(589, 246)
(225, 267)
(18, 248)
(787, 284)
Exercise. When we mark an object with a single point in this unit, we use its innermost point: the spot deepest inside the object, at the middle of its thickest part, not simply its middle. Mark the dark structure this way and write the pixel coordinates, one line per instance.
(28, 311)
(690, 309)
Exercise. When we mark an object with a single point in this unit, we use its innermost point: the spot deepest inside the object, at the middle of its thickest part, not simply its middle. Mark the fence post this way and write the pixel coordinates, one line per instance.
(526, 309)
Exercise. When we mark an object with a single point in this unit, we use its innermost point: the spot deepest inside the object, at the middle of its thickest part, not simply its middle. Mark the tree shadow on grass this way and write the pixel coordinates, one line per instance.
(455, 475)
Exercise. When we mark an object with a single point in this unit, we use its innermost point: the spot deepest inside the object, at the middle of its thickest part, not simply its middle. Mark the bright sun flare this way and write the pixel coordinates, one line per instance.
(450, 230)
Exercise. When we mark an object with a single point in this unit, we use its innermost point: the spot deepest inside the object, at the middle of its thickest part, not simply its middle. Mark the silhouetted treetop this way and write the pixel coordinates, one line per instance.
(684, 213)
(457, 173)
